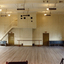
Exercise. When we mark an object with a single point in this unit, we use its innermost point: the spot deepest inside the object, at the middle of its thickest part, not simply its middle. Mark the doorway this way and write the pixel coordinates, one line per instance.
(11, 38)
(45, 39)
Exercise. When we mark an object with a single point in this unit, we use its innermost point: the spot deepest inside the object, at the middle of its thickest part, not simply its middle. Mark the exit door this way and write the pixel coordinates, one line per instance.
(45, 39)
(11, 38)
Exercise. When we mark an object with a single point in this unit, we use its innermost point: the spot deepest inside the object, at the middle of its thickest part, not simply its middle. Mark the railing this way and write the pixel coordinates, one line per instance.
(62, 61)
(30, 40)
(9, 27)
(13, 23)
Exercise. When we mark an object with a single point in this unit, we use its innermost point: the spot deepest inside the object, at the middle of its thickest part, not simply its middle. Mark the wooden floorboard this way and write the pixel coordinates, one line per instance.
(34, 55)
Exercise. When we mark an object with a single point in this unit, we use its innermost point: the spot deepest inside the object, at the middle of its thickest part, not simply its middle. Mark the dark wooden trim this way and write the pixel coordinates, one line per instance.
(43, 39)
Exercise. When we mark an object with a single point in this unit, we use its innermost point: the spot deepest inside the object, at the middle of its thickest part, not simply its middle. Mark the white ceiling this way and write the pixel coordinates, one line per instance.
(10, 6)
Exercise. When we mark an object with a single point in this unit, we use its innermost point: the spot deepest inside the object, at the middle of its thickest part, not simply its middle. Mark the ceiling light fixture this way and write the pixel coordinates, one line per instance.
(0, 9)
(9, 15)
(47, 9)
(20, 8)
(48, 15)
(52, 8)
(45, 14)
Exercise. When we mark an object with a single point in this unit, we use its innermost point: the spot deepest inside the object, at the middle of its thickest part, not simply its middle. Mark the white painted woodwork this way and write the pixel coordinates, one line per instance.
(26, 23)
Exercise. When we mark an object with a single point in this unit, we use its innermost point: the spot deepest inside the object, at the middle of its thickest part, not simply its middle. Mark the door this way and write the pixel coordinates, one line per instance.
(45, 39)
(11, 38)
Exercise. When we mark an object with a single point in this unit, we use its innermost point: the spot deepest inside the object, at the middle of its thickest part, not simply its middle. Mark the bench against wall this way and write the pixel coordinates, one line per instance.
(56, 43)
(3, 43)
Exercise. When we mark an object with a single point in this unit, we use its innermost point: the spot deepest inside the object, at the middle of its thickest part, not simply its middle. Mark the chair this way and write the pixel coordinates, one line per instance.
(62, 61)
(24, 62)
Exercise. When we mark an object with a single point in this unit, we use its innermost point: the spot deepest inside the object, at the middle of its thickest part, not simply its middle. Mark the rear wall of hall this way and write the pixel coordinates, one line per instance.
(54, 25)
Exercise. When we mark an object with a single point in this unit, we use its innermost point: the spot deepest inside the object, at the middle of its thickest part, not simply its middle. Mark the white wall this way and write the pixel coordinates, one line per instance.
(26, 23)
(5, 22)
(54, 25)
(22, 34)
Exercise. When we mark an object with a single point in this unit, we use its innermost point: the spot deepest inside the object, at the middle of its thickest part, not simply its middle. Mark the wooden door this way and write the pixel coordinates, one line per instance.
(45, 39)
(11, 38)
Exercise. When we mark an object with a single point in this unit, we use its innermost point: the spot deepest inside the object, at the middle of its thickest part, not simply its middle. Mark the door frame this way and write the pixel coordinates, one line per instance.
(43, 39)
(8, 38)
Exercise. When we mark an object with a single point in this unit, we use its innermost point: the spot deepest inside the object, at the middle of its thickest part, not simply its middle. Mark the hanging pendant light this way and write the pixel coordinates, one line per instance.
(0, 9)
(9, 15)
(45, 14)
(47, 9)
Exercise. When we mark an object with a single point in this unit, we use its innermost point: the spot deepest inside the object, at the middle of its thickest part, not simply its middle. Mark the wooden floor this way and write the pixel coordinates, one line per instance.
(34, 55)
